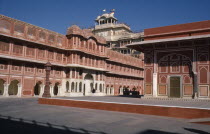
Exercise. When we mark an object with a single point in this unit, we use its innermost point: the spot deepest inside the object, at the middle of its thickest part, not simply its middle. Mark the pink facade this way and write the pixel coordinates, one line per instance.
(177, 60)
(77, 57)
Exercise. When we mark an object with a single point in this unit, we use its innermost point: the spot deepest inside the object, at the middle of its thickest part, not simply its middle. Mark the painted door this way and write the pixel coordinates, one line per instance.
(175, 87)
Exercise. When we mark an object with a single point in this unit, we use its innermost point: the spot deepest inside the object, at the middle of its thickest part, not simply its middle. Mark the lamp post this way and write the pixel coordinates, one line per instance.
(47, 82)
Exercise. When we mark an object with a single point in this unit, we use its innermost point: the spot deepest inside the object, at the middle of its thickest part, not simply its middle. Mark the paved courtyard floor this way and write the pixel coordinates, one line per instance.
(25, 115)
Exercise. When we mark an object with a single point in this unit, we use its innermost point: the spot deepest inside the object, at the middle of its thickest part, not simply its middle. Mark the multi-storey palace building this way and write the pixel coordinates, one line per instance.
(117, 35)
(177, 60)
(81, 64)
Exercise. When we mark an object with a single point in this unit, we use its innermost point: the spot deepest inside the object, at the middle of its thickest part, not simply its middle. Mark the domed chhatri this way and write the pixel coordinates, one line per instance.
(106, 18)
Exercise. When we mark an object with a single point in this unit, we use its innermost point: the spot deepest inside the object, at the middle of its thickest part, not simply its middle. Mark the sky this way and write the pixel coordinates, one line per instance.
(58, 15)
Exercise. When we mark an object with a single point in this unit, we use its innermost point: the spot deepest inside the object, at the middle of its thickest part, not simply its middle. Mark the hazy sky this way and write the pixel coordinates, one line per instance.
(58, 15)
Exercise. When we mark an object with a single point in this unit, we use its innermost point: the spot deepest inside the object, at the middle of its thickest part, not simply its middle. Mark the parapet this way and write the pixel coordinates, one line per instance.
(85, 33)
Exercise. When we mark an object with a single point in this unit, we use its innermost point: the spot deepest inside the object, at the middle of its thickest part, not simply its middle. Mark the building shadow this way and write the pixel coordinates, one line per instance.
(11, 125)
(196, 131)
(151, 131)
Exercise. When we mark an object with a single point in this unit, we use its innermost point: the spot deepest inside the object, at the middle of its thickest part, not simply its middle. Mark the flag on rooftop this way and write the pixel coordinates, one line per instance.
(112, 10)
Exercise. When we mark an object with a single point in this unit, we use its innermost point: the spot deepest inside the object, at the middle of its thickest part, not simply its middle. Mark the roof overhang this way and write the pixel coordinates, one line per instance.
(140, 45)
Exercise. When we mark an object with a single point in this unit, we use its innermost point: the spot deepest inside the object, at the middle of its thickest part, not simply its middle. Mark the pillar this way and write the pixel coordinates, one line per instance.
(42, 90)
(59, 90)
(154, 84)
(47, 81)
(111, 91)
(51, 90)
(19, 93)
(121, 91)
(6, 94)
(82, 87)
(195, 85)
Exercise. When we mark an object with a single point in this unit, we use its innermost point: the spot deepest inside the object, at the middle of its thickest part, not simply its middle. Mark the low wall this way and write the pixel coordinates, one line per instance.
(178, 112)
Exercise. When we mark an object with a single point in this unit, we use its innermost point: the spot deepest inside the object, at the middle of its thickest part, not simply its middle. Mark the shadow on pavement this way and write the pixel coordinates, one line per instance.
(196, 131)
(150, 131)
(11, 125)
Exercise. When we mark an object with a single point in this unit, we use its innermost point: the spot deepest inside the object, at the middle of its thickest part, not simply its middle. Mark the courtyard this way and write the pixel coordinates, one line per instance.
(25, 115)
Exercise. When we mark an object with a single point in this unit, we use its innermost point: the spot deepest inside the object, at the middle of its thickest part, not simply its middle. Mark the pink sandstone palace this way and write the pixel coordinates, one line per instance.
(175, 63)
(80, 60)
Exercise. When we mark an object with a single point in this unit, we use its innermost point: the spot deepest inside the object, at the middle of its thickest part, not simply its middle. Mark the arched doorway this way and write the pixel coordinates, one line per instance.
(88, 84)
(13, 87)
(112, 90)
(72, 87)
(37, 88)
(80, 87)
(100, 87)
(67, 86)
(1, 87)
(55, 89)
(172, 69)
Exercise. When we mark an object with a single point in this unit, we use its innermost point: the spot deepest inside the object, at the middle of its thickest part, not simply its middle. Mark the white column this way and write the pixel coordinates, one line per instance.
(59, 90)
(154, 84)
(86, 87)
(108, 93)
(6, 93)
(103, 88)
(121, 91)
(42, 90)
(82, 87)
(19, 93)
(113, 91)
(51, 90)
